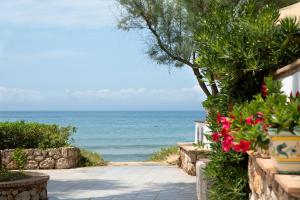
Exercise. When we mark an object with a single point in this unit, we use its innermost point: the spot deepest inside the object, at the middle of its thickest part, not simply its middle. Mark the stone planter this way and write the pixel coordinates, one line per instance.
(285, 151)
(34, 187)
(189, 155)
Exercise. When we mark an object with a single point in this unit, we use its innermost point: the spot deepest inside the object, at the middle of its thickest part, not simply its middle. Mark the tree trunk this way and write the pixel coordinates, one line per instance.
(201, 82)
(213, 85)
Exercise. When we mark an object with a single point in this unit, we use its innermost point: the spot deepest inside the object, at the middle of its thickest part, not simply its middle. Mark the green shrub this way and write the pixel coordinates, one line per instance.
(163, 153)
(89, 158)
(227, 172)
(20, 158)
(21, 134)
(6, 175)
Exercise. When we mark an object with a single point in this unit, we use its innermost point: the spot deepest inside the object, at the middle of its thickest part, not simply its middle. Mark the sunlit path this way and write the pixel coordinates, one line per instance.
(146, 182)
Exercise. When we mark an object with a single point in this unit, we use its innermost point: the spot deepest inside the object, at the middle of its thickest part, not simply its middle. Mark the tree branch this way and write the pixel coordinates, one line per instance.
(161, 45)
(213, 85)
(175, 57)
(201, 82)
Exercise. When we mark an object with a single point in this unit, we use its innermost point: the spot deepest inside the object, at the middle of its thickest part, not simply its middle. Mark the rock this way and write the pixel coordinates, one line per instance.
(44, 153)
(33, 192)
(43, 195)
(35, 197)
(11, 165)
(14, 192)
(63, 163)
(37, 152)
(48, 163)
(10, 197)
(29, 152)
(39, 158)
(55, 153)
(30, 157)
(65, 152)
(23, 196)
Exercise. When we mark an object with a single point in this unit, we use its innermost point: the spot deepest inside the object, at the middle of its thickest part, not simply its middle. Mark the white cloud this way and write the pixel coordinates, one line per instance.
(121, 99)
(58, 13)
(8, 95)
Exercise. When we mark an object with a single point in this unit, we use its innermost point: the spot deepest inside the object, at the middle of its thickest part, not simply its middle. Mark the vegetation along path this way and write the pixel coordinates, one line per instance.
(122, 182)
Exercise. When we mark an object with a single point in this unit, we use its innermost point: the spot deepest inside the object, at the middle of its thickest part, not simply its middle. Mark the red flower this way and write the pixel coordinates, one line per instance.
(224, 132)
(216, 136)
(227, 143)
(243, 146)
(249, 120)
(297, 94)
(258, 120)
(225, 123)
(264, 90)
(291, 94)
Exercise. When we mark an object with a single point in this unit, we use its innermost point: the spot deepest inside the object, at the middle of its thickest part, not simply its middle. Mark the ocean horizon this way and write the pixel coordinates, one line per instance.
(119, 135)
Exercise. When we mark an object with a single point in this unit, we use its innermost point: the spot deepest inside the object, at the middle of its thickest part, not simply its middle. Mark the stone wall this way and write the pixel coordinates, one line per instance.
(32, 188)
(266, 184)
(189, 155)
(57, 158)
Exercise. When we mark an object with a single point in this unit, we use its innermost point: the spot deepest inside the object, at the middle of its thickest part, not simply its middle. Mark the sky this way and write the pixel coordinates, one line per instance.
(69, 55)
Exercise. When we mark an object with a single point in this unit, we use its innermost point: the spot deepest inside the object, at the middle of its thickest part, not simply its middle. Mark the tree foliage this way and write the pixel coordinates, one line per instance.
(182, 31)
(171, 38)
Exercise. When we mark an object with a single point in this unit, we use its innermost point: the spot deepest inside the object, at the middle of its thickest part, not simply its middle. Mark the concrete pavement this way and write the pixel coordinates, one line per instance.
(124, 182)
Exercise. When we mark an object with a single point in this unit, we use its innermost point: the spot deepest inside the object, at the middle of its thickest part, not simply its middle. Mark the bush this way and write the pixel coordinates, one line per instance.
(21, 134)
(20, 158)
(163, 153)
(6, 175)
(89, 158)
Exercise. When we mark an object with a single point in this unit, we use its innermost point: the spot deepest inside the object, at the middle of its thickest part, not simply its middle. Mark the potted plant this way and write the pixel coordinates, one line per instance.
(271, 122)
(283, 120)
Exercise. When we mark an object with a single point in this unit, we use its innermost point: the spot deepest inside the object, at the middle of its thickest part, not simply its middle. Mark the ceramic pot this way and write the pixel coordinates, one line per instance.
(285, 151)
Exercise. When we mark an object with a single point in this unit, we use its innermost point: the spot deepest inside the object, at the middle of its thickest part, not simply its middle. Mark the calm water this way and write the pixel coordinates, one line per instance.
(120, 136)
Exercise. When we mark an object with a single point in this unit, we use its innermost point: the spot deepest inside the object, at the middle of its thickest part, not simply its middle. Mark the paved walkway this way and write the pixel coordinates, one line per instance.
(147, 182)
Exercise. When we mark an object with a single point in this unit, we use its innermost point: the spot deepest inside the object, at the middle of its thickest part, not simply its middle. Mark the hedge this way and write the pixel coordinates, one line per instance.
(21, 134)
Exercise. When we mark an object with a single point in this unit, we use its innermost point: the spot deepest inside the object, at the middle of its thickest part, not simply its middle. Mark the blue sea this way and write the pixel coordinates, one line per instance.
(120, 136)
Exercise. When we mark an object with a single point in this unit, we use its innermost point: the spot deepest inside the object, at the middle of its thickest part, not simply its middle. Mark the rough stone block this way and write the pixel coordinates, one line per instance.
(48, 163)
(31, 164)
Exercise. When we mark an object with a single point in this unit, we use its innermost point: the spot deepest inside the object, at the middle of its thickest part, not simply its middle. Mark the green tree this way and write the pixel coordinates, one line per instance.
(175, 26)
(171, 40)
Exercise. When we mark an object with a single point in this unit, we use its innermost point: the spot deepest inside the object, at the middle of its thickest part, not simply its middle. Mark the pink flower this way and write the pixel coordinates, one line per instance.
(216, 136)
(225, 123)
(249, 120)
(227, 143)
(243, 146)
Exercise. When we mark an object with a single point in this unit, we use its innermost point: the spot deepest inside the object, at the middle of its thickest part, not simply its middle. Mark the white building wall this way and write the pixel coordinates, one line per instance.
(291, 84)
